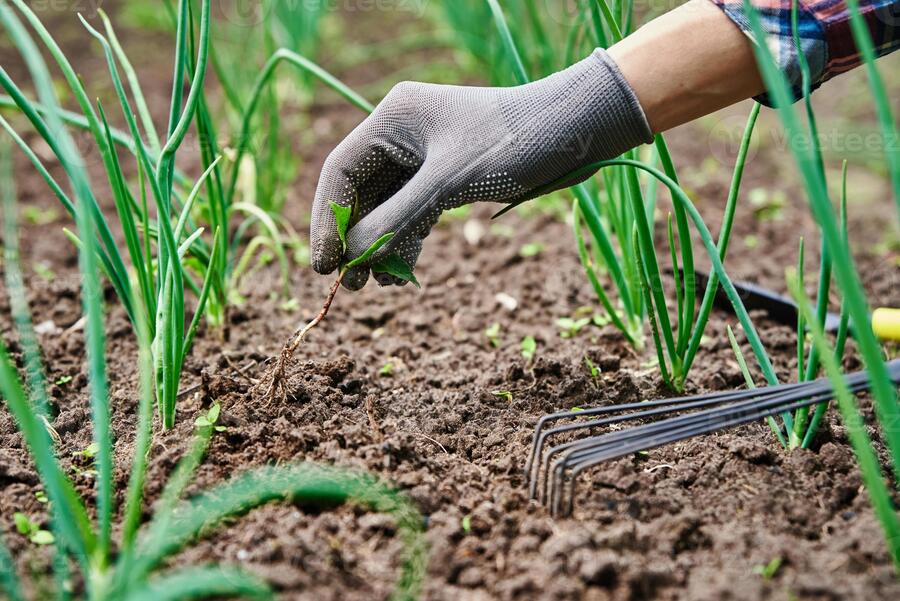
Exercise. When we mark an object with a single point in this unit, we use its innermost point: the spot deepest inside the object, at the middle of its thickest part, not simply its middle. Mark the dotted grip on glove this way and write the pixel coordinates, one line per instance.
(427, 148)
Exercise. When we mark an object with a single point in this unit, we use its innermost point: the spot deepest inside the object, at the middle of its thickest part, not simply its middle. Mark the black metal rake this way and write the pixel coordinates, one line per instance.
(552, 474)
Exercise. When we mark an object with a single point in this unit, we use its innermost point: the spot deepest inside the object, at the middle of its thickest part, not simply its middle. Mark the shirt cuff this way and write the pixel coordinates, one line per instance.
(775, 16)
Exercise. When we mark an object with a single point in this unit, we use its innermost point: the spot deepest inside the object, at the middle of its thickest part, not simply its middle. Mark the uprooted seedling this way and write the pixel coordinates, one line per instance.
(393, 264)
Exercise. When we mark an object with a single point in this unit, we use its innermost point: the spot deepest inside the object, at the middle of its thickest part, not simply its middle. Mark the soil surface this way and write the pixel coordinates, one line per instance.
(692, 520)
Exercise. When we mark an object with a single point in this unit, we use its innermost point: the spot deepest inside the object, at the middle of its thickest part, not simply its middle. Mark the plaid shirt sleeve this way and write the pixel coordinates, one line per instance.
(824, 31)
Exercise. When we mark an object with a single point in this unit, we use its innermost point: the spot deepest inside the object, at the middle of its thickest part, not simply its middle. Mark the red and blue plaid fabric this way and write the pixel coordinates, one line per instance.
(824, 30)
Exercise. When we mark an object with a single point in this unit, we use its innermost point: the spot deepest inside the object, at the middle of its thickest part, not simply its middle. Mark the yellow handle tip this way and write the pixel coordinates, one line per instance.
(886, 323)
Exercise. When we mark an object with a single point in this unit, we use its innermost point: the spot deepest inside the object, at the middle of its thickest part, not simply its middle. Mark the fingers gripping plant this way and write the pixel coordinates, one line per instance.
(130, 564)
(391, 264)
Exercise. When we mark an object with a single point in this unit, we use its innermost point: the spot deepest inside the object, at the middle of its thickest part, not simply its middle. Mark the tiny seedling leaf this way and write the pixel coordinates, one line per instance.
(370, 251)
(529, 346)
(601, 320)
(592, 367)
(467, 524)
(42, 537)
(570, 327)
(209, 419)
(394, 265)
(342, 216)
(89, 452)
(493, 334)
(769, 570)
(290, 306)
(23, 524)
(532, 249)
(503, 394)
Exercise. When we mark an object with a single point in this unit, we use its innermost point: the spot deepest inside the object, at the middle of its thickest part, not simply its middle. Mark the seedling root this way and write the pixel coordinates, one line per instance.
(277, 380)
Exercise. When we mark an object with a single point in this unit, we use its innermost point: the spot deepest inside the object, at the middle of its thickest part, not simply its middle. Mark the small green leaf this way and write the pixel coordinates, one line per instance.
(370, 251)
(44, 272)
(342, 216)
(89, 452)
(532, 249)
(493, 335)
(569, 327)
(592, 368)
(467, 524)
(386, 370)
(23, 524)
(769, 570)
(290, 306)
(39, 216)
(394, 265)
(529, 347)
(503, 394)
(601, 320)
(210, 418)
(42, 537)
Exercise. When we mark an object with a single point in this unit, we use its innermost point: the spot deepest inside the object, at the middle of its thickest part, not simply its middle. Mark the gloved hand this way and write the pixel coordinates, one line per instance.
(427, 148)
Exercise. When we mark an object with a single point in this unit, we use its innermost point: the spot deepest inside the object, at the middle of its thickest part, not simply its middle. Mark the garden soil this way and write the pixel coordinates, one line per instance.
(693, 520)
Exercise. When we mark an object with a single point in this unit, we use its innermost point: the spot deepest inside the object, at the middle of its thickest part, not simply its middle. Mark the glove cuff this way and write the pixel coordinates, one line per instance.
(619, 113)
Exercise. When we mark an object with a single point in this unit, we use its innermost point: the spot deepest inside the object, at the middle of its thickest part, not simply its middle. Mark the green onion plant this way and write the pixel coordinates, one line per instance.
(114, 554)
(837, 263)
(245, 194)
(869, 466)
(166, 248)
(157, 302)
(835, 243)
(617, 208)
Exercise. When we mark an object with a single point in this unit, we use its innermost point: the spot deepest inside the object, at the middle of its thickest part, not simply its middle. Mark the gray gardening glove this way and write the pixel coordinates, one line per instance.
(428, 148)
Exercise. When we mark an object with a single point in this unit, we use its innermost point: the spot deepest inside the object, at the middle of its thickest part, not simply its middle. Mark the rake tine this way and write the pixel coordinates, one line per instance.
(720, 396)
(660, 407)
(814, 389)
(539, 436)
(579, 456)
(609, 451)
(578, 447)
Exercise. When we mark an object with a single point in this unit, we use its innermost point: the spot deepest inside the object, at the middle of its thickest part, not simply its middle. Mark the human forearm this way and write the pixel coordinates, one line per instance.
(688, 63)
